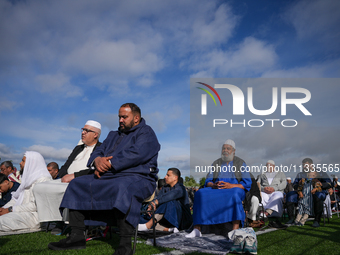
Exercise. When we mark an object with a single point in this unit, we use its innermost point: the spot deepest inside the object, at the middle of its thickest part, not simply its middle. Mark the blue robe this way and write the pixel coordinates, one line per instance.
(216, 206)
(131, 179)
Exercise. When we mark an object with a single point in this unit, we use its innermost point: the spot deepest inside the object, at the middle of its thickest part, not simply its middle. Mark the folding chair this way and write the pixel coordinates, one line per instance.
(152, 211)
(324, 216)
(336, 202)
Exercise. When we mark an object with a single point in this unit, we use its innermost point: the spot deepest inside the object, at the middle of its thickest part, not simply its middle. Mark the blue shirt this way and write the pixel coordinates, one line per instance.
(6, 197)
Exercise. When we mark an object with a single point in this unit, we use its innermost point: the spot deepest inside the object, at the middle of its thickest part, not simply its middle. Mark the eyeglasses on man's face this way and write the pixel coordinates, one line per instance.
(87, 130)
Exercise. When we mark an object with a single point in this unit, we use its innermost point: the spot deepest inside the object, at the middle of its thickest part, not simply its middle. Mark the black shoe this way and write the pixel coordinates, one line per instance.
(316, 224)
(299, 224)
(290, 221)
(122, 250)
(277, 225)
(72, 242)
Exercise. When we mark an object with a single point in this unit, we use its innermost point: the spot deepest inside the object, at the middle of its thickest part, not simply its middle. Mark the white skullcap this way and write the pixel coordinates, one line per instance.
(271, 162)
(230, 142)
(288, 178)
(93, 123)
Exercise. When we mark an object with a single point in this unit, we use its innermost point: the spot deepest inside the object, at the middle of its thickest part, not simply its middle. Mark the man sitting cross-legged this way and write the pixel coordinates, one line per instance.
(172, 206)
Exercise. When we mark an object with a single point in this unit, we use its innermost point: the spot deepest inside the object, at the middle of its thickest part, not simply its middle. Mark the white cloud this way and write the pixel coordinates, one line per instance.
(251, 57)
(49, 152)
(6, 105)
(330, 68)
(316, 21)
(7, 153)
(58, 83)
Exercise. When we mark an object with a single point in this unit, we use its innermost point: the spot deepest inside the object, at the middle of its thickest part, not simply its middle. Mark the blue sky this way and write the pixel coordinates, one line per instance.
(64, 62)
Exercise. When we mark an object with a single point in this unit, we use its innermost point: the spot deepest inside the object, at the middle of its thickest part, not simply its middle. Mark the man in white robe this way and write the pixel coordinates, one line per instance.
(20, 213)
(272, 182)
(49, 194)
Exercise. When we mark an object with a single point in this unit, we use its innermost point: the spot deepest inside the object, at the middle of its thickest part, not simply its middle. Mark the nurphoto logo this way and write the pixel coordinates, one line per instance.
(238, 104)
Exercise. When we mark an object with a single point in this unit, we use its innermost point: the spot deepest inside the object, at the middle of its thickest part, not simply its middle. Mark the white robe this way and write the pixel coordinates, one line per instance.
(49, 196)
(24, 216)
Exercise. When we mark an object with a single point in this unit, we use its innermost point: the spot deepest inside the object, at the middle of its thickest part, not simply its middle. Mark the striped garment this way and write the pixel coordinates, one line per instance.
(15, 176)
(305, 204)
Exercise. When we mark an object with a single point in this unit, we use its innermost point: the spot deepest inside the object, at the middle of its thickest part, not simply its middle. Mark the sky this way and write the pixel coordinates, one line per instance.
(65, 62)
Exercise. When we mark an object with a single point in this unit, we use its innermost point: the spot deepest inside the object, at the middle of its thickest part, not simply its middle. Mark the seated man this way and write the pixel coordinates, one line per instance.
(251, 203)
(125, 175)
(9, 170)
(20, 213)
(50, 194)
(272, 185)
(6, 189)
(289, 186)
(334, 199)
(53, 168)
(317, 197)
(229, 184)
(172, 206)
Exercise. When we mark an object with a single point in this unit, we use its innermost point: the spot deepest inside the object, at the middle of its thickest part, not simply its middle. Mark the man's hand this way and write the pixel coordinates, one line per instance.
(212, 185)
(152, 206)
(102, 164)
(268, 190)
(67, 178)
(224, 185)
(313, 191)
(3, 211)
(300, 194)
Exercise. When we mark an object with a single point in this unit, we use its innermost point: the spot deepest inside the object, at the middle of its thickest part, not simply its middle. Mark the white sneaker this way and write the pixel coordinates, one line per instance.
(142, 227)
(194, 233)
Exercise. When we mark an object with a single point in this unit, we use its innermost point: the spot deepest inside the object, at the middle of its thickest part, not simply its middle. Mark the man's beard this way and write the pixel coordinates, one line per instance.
(227, 158)
(126, 128)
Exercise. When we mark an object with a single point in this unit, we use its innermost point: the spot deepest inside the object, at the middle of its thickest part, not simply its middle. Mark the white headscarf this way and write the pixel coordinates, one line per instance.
(35, 168)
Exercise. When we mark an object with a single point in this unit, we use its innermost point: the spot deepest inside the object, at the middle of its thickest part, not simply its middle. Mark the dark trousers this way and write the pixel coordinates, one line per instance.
(125, 229)
(318, 207)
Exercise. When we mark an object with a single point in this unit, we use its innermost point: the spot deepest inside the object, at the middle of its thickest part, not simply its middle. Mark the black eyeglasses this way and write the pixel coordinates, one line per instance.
(87, 130)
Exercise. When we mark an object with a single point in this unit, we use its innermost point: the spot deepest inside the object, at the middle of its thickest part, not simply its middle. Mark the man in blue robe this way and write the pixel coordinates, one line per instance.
(125, 174)
(172, 206)
(220, 201)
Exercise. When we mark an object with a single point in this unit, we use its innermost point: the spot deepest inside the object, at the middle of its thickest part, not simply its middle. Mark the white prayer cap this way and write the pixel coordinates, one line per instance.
(271, 162)
(93, 123)
(230, 142)
(288, 178)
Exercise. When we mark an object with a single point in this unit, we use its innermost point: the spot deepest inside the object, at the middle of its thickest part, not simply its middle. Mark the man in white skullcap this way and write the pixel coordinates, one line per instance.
(289, 186)
(20, 213)
(49, 194)
(273, 182)
(220, 201)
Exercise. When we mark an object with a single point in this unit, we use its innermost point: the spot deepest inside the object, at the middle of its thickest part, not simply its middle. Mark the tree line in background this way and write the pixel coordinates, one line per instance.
(191, 182)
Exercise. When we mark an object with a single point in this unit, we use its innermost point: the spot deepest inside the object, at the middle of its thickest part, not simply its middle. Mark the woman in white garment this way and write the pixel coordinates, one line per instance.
(20, 213)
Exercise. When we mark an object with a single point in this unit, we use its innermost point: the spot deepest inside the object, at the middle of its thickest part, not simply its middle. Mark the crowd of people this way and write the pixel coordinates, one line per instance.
(101, 182)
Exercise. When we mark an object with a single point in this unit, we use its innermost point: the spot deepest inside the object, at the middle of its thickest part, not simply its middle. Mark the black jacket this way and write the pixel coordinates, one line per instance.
(73, 155)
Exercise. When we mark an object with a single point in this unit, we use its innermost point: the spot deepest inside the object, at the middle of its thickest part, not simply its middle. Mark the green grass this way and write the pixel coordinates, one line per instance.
(294, 241)
(302, 240)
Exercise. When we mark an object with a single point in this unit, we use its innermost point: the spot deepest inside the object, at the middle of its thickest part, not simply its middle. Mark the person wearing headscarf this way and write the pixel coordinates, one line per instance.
(20, 213)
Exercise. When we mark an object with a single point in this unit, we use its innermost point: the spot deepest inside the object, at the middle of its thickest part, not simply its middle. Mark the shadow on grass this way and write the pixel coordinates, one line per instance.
(3, 241)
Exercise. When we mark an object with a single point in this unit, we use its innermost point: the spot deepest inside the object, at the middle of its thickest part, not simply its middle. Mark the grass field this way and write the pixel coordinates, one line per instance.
(294, 241)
